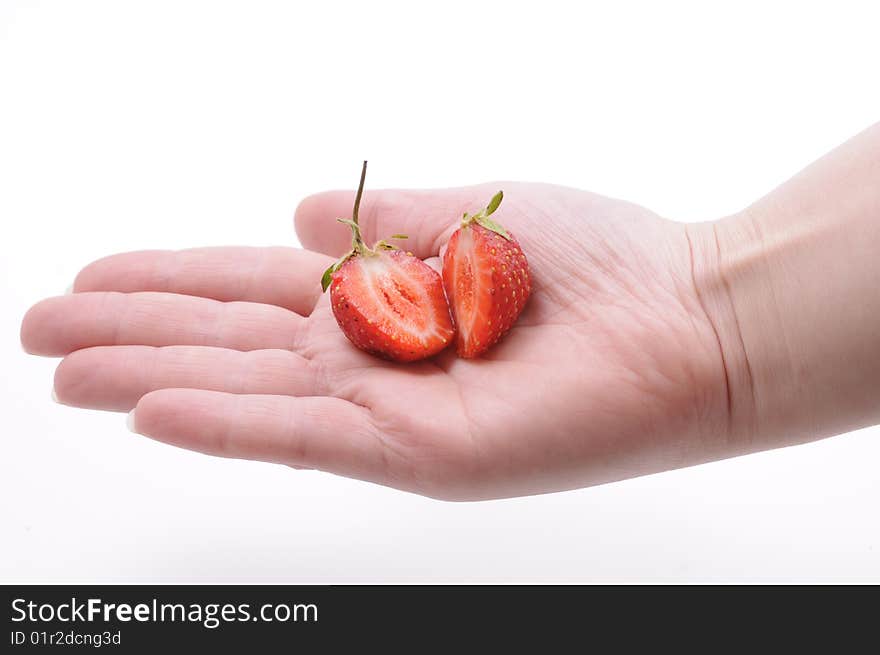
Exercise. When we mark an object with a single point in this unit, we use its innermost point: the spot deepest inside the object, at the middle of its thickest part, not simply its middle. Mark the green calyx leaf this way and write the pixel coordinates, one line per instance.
(356, 241)
(489, 224)
(383, 245)
(493, 204)
(327, 278)
(482, 217)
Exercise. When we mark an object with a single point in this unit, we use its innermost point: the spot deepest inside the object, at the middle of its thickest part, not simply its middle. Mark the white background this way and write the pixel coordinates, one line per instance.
(136, 125)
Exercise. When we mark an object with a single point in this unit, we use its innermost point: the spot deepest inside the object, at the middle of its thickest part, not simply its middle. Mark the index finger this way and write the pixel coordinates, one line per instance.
(427, 217)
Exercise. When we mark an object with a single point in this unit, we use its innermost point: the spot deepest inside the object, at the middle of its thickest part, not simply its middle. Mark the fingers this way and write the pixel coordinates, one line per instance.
(316, 432)
(286, 277)
(115, 377)
(426, 217)
(57, 326)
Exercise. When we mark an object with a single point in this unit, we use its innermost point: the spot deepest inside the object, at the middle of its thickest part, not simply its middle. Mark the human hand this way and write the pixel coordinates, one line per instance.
(613, 369)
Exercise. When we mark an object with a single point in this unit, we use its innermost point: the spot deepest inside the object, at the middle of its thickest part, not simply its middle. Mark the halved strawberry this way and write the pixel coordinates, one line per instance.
(487, 280)
(388, 302)
(392, 304)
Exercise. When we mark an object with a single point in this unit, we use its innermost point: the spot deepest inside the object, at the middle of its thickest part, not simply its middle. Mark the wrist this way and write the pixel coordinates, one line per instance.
(734, 282)
(791, 295)
(789, 286)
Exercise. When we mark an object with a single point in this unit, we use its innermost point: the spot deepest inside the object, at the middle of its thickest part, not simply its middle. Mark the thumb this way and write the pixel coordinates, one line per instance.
(427, 217)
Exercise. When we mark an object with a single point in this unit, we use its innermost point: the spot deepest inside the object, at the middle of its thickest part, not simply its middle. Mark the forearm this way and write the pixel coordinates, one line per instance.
(792, 286)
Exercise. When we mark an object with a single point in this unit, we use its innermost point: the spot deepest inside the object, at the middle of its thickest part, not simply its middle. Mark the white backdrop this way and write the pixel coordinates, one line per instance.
(167, 125)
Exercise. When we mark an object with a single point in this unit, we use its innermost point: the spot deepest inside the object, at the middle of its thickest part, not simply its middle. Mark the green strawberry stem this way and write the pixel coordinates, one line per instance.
(358, 247)
(357, 241)
(360, 192)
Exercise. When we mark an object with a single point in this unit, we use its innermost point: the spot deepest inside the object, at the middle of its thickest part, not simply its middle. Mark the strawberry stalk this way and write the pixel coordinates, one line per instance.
(357, 242)
(358, 247)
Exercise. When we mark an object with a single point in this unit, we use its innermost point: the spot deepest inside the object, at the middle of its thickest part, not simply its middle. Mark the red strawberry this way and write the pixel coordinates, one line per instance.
(487, 280)
(388, 302)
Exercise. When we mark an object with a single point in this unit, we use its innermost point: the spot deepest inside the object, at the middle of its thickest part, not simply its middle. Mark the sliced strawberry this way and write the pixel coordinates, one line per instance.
(487, 281)
(387, 302)
(391, 304)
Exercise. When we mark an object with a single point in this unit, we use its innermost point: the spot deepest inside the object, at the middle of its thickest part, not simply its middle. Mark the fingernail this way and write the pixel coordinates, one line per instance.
(69, 290)
(130, 422)
(55, 396)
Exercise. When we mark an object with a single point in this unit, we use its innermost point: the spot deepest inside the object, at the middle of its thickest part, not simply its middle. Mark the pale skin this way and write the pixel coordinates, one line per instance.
(647, 344)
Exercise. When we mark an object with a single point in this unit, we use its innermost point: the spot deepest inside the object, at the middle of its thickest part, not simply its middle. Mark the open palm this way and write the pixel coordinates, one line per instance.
(612, 370)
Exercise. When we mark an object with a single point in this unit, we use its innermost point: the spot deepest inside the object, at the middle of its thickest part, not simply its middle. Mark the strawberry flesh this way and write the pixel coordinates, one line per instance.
(391, 304)
(487, 282)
